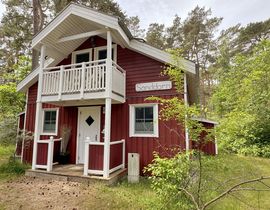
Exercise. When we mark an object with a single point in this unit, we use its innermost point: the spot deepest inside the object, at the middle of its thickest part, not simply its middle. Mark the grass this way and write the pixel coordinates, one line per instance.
(10, 168)
(219, 169)
(140, 196)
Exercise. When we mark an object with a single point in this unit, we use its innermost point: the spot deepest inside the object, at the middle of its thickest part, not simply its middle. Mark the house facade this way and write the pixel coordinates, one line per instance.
(92, 83)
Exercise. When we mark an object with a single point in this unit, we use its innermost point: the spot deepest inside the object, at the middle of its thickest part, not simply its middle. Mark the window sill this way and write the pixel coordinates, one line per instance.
(145, 135)
(48, 134)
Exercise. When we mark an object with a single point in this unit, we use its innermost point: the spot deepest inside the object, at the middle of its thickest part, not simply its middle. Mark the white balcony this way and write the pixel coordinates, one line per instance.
(78, 83)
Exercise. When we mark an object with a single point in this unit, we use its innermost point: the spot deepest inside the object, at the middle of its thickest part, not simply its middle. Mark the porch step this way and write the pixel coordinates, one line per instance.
(71, 177)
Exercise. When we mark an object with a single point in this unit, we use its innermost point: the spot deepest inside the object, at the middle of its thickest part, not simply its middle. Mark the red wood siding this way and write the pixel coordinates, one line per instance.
(67, 117)
(139, 69)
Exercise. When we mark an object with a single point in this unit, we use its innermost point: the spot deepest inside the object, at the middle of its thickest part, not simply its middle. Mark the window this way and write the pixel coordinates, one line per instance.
(143, 120)
(50, 121)
(101, 53)
(82, 56)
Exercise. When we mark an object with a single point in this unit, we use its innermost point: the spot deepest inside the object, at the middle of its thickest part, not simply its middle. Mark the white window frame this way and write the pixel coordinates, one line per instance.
(78, 52)
(56, 121)
(97, 49)
(132, 120)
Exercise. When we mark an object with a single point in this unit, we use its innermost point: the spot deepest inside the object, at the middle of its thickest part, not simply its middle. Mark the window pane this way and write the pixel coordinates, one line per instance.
(49, 124)
(139, 112)
(102, 54)
(84, 57)
(144, 119)
(148, 112)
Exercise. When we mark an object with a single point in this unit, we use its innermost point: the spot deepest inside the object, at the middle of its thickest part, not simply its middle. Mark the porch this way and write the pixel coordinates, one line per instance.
(73, 173)
(95, 159)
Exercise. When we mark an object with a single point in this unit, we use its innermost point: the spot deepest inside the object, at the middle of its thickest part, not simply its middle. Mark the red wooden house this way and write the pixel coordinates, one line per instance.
(94, 78)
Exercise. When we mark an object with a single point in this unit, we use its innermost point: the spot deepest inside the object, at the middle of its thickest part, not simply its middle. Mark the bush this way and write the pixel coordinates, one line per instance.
(168, 176)
(13, 167)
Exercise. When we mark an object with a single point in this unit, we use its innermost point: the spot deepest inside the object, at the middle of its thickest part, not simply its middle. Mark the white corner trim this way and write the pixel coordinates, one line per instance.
(56, 122)
(132, 120)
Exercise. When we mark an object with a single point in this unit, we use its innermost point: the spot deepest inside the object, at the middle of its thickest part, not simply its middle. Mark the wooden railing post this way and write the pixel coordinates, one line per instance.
(83, 79)
(61, 82)
(50, 154)
(86, 156)
(123, 155)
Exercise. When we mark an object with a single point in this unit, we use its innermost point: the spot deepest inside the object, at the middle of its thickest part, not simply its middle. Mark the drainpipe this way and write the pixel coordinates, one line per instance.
(186, 104)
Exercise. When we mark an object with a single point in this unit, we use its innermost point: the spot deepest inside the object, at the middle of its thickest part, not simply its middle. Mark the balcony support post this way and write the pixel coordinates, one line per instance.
(107, 136)
(38, 123)
(109, 65)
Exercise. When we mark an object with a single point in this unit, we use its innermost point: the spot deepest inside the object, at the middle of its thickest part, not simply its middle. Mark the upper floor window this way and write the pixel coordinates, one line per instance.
(82, 56)
(101, 53)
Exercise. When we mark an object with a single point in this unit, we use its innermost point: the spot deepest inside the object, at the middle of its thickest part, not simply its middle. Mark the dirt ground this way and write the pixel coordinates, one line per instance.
(28, 193)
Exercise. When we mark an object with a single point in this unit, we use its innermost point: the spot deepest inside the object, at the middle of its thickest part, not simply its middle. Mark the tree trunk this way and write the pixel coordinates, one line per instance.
(38, 22)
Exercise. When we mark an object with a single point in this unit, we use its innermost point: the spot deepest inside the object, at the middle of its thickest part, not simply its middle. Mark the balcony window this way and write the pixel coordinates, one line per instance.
(101, 53)
(82, 56)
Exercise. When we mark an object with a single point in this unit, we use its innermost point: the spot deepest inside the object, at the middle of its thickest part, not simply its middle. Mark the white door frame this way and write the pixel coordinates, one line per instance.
(78, 129)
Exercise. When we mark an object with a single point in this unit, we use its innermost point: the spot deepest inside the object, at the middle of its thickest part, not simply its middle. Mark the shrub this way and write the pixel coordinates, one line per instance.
(13, 167)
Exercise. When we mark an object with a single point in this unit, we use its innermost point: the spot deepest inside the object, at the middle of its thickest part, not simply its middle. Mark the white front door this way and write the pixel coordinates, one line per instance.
(88, 126)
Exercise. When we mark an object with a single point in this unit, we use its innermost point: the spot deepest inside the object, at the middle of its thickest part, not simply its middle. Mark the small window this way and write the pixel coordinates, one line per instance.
(101, 53)
(144, 120)
(82, 56)
(50, 118)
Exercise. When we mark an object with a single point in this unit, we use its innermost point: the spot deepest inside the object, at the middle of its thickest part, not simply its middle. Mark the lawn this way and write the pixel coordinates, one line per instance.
(28, 193)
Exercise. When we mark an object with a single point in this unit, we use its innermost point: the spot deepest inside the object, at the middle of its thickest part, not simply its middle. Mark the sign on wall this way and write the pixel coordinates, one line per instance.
(150, 86)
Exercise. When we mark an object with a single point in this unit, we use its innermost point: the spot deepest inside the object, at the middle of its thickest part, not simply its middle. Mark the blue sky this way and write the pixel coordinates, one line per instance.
(163, 11)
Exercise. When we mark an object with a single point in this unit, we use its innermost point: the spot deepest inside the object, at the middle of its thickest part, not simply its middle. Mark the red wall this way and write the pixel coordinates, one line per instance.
(139, 68)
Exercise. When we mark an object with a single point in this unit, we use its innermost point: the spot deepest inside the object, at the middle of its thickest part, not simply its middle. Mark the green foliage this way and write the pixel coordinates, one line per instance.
(168, 176)
(242, 99)
(13, 167)
(155, 35)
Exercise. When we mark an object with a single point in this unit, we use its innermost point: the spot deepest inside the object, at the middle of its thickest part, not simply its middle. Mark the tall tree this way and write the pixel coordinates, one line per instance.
(174, 37)
(198, 45)
(133, 24)
(15, 34)
(156, 36)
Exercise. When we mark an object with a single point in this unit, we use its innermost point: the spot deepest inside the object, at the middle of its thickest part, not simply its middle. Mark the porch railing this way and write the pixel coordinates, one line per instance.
(50, 152)
(82, 78)
(88, 144)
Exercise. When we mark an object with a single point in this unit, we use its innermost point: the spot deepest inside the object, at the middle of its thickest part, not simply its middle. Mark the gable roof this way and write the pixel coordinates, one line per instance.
(75, 19)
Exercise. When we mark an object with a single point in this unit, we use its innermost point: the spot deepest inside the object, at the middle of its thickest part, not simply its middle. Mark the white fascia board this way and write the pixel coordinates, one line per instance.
(205, 120)
(52, 25)
(29, 79)
(160, 55)
(94, 16)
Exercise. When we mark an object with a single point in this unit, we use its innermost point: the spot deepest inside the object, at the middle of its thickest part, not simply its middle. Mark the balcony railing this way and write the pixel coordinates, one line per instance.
(83, 78)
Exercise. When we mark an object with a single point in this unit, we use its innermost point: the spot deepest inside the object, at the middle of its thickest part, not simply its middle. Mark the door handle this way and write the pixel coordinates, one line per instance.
(96, 137)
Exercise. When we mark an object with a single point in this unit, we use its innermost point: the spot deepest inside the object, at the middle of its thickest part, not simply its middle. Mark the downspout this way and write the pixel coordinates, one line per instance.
(186, 104)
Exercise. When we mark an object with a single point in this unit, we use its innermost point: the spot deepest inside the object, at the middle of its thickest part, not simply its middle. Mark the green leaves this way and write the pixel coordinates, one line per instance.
(243, 100)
